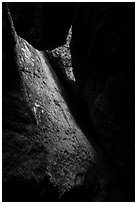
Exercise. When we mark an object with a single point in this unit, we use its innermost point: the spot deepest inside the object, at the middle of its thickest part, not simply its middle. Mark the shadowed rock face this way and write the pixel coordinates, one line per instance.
(102, 49)
(51, 152)
(41, 140)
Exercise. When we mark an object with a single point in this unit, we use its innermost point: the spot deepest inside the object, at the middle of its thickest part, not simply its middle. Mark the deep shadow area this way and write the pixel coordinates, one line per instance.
(79, 108)
(43, 25)
(29, 191)
(102, 101)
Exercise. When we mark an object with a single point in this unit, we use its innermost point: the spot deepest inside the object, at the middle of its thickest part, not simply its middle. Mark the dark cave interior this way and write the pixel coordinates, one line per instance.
(101, 102)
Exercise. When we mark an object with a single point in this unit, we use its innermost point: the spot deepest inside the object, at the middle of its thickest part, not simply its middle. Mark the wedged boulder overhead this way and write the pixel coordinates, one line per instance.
(42, 24)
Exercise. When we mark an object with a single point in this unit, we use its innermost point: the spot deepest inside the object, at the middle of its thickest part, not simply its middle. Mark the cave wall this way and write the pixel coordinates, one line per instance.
(103, 57)
(102, 54)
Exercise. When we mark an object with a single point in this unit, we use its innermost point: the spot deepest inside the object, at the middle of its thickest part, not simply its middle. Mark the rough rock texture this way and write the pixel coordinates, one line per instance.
(102, 49)
(68, 151)
(42, 143)
(51, 151)
(60, 57)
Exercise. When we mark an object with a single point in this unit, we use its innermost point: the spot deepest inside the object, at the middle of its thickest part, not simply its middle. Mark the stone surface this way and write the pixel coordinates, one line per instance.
(68, 150)
(60, 58)
(67, 139)
(102, 49)
(44, 149)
